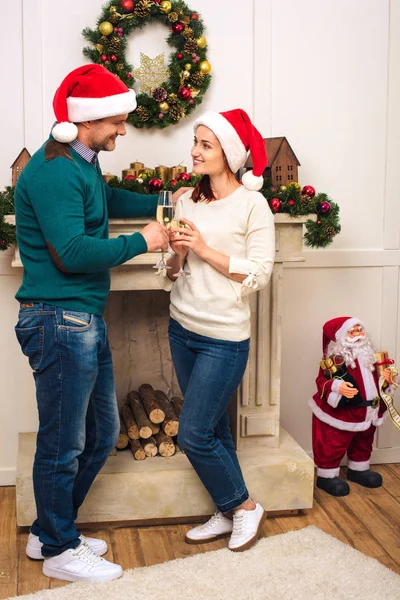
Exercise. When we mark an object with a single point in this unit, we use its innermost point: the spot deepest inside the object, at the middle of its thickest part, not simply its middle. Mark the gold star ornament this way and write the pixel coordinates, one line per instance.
(151, 73)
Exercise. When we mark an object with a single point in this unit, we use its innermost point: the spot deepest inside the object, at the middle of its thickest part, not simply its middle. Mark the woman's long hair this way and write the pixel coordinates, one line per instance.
(203, 191)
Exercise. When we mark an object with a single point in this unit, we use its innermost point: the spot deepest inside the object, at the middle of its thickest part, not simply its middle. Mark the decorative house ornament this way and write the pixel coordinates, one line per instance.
(167, 92)
(282, 162)
(19, 164)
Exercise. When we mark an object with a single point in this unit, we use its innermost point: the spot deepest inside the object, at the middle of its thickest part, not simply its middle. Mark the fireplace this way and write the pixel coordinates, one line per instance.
(277, 471)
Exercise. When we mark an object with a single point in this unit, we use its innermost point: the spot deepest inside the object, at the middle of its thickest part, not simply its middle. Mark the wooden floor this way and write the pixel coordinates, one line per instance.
(368, 520)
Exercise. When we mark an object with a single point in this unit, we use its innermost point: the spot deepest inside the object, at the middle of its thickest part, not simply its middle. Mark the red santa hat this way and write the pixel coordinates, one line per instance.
(237, 135)
(336, 329)
(89, 92)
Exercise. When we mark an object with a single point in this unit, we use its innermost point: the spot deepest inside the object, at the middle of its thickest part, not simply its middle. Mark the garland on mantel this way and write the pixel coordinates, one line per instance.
(290, 199)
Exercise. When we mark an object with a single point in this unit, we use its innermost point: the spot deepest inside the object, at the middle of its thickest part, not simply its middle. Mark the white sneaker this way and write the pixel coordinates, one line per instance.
(217, 527)
(34, 546)
(80, 564)
(247, 526)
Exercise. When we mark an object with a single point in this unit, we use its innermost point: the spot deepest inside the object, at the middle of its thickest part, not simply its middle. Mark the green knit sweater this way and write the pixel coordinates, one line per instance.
(62, 206)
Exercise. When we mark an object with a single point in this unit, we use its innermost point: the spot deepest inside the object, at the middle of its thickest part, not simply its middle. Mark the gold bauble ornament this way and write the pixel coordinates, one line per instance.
(205, 67)
(188, 66)
(185, 74)
(283, 188)
(164, 107)
(201, 41)
(106, 28)
(165, 6)
(295, 185)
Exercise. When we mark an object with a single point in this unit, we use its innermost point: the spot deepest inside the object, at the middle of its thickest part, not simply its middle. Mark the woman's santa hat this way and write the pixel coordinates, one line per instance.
(335, 330)
(88, 93)
(237, 135)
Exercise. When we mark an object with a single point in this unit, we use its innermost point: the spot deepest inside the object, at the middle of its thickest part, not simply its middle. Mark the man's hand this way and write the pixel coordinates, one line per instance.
(348, 390)
(179, 193)
(156, 236)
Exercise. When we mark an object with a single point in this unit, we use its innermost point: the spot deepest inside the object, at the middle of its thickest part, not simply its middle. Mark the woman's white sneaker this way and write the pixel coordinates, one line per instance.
(247, 525)
(81, 564)
(34, 546)
(216, 528)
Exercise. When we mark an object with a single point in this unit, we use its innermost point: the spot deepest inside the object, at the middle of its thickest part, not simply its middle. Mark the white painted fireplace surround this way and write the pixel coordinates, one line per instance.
(278, 472)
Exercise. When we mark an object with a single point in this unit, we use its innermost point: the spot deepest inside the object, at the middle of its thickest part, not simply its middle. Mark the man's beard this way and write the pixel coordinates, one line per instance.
(351, 349)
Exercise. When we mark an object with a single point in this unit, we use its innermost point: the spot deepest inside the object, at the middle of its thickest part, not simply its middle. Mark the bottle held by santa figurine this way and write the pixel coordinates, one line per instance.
(354, 391)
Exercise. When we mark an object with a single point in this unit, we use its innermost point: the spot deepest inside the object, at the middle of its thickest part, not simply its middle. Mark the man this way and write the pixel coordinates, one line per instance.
(62, 208)
(347, 407)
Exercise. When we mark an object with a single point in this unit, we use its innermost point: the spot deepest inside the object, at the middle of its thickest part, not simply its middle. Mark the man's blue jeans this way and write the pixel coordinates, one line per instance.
(78, 416)
(209, 371)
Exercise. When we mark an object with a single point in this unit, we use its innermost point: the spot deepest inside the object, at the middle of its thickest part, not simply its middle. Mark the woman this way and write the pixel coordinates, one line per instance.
(227, 247)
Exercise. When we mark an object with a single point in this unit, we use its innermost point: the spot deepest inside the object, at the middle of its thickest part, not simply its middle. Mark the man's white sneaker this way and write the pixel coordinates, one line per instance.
(247, 525)
(217, 527)
(81, 564)
(34, 546)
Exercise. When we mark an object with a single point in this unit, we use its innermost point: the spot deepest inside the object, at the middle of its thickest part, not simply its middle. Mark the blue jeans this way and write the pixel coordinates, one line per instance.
(70, 356)
(209, 371)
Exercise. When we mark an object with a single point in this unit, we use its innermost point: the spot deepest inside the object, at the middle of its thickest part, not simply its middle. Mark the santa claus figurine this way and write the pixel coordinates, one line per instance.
(347, 408)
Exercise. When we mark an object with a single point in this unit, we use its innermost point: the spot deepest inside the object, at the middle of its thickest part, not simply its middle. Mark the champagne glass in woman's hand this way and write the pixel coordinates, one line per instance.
(164, 215)
(180, 250)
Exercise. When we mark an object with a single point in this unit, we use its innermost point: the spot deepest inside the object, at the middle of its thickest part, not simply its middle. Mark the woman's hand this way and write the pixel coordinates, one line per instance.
(190, 238)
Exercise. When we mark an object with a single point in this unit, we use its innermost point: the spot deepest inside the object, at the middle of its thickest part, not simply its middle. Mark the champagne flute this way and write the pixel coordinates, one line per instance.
(181, 273)
(164, 215)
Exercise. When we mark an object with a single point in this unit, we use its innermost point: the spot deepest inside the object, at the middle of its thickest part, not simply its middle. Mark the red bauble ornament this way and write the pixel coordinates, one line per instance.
(195, 16)
(173, 182)
(275, 204)
(318, 222)
(129, 75)
(103, 57)
(179, 56)
(155, 184)
(127, 5)
(308, 190)
(291, 202)
(183, 177)
(113, 58)
(324, 208)
(177, 28)
(3, 242)
(129, 177)
(184, 93)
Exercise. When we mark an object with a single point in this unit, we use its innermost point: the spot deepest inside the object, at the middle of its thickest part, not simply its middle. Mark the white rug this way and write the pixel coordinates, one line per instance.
(301, 565)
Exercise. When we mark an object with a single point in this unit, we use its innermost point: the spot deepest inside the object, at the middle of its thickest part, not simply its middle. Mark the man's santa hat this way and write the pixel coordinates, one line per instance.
(88, 93)
(335, 330)
(237, 135)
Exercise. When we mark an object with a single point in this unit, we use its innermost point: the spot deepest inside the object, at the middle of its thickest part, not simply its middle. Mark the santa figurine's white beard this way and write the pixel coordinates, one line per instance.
(354, 348)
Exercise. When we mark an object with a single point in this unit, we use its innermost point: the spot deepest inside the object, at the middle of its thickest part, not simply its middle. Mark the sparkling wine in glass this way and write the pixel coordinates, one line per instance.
(181, 225)
(164, 215)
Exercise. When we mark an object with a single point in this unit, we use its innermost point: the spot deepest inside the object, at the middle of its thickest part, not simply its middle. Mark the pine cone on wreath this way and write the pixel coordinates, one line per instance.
(172, 98)
(330, 231)
(176, 112)
(104, 41)
(188, 33)
(142, 113)
(114, 45)
(196, 78)
(142, 9)
(113, 18)
(173, 17)
(305, 200)
(190, 46)
(159, 94)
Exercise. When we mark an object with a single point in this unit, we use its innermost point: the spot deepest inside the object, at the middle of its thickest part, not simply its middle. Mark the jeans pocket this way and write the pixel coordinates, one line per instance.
(76, 321)
(31, 340)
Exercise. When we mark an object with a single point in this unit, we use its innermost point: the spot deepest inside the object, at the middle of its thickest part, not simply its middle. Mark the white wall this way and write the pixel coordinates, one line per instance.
(325, 75)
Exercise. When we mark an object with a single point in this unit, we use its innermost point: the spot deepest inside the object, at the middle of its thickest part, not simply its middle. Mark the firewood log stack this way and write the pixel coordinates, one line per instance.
(149, 422)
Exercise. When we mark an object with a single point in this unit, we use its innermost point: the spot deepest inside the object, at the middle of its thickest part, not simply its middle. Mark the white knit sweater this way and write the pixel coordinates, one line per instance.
(242, 227)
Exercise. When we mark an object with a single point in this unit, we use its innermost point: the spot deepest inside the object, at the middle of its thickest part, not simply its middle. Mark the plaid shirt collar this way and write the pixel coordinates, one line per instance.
(89, 155)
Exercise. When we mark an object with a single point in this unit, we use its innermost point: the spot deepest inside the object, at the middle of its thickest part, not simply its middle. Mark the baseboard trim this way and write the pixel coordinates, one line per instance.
(380, 456)
(7, 476)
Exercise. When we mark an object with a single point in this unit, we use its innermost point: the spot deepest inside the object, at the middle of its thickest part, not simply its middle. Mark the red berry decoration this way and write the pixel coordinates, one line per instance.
(155, 184)
(291, 202)
(103, 57)
(173, 182)
(129, 177)
(113, 58)
(318, 222)
(177, 28)
(195, 16)
(184, 93)
(308, 190)
(3, 242)
(324, 208)
(127, 5)
(129, 75)
(275, 204)
(183, 177)
(179, 56)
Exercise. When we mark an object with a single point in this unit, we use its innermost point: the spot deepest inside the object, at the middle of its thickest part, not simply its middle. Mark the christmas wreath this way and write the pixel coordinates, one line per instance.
(167, 94)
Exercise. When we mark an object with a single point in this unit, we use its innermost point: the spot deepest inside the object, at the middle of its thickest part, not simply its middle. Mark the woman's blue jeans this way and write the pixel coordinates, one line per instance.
(209, 371)
(70, 356)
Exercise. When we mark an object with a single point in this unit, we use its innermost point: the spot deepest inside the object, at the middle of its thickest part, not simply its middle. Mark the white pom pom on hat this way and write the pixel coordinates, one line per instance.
(88, 93)
(237, 135)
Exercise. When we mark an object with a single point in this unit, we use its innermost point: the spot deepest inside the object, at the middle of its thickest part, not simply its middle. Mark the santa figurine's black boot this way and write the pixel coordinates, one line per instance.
(333, 485)
(367, 478)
